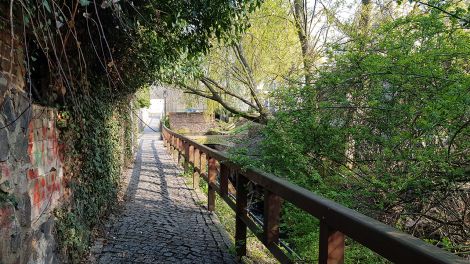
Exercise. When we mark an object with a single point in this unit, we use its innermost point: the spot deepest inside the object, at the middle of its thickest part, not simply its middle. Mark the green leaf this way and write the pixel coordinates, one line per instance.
(47, 6)
(26, 19)
(84, 2)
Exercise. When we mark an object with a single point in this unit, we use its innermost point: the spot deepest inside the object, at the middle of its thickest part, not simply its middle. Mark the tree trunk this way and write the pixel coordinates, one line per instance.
(355, 113)
(300, 16)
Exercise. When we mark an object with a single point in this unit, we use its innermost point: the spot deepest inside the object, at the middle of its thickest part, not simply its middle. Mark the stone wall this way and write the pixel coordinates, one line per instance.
(31, 176)
(192, 123)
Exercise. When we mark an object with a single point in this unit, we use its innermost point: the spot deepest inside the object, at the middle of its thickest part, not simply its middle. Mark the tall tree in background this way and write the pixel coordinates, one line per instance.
(300, 18)
(240, 76)
(363, 18)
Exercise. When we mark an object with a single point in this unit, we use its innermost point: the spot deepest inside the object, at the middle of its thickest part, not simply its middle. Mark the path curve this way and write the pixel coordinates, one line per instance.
(162, 221)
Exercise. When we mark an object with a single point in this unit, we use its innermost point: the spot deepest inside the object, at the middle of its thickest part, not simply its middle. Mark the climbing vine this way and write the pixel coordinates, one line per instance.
(101, 147)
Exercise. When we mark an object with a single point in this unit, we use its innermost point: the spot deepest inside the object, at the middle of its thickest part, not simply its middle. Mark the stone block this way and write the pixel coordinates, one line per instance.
(3, 83)
(6, 216)
(32, 174)
(20, 148)
(8, 110)
(50, 145)
(21, 104)
(37, 121)
(51, 115)
(15, 239)
(5, 171)
(25, 209)
(4, 144)
(5, 65)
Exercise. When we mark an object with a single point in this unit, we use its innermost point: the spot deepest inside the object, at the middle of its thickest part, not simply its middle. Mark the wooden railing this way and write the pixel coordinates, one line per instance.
(336, 221)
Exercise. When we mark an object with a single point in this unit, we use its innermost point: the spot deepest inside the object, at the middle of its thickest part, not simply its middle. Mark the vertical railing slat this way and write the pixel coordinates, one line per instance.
(224, 174)
(211, 178)
(191, 154)
(197, 164)
(175, 149)
(179, 150)
(331, 249)
(203, 163)
(272, 213)
(186, 156)
(172, 152)
(240, 226)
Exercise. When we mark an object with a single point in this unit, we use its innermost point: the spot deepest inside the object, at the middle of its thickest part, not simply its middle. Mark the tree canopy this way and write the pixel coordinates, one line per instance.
(122, 43)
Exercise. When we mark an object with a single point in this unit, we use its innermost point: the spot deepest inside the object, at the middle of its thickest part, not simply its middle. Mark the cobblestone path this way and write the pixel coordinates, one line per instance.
(162, 221)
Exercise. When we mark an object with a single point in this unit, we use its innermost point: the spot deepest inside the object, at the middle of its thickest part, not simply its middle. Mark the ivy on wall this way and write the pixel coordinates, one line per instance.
(99, 146)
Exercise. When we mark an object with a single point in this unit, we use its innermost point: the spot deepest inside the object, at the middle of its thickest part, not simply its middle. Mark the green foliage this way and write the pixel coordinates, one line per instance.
(384, 130)
(268, 57)
(166, 121)
(240, 129)
(170, 37)
(7, 198)
(143, 97)
(74, 235)
(128, 44)
(101, 146)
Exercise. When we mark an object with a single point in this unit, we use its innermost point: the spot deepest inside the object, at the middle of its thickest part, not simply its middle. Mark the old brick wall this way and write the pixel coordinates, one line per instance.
(31, 183)
(192, 123)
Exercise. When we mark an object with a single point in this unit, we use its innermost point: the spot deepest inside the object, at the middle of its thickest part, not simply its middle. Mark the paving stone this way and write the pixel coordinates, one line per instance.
(161, 222)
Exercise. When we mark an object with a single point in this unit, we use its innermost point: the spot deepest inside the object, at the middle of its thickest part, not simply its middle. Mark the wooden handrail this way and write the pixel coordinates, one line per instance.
(336, 221)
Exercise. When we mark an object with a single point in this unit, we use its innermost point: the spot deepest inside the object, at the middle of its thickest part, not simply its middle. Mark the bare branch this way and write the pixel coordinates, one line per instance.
(241, 57)
(229, 92)
(215, 96)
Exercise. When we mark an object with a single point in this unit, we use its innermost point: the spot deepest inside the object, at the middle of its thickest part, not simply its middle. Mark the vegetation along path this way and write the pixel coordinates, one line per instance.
(162, 221)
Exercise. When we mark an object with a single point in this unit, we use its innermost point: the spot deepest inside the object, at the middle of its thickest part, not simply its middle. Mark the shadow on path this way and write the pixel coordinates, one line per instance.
(161, 222)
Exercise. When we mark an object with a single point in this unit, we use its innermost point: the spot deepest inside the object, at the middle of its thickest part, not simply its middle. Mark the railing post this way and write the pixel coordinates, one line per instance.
(197, 164)
(240, 226)
(172, 144)
(211, 179)
(191, 154)
(203, 164)
(182, 142)
(224, 173)
(186, 156)
(178, 147)
(331, 245)
(163, 138)
(180, 152)
(174, 151)
(272, 213)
